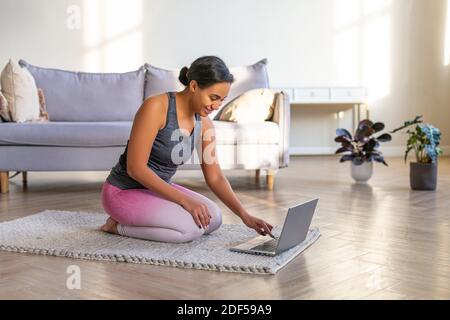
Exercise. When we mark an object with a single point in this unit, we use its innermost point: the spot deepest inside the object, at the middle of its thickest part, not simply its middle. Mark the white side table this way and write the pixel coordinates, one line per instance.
(355, 97)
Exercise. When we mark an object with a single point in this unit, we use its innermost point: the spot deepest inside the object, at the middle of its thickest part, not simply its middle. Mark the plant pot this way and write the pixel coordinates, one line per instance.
(362, 173)
(423, 176)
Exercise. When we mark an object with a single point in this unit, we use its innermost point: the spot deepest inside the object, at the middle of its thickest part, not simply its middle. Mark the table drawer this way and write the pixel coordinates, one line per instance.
(351, 94)
(312, 94)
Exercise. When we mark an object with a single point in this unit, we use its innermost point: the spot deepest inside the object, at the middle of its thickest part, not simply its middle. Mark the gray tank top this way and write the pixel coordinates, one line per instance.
(168, 151)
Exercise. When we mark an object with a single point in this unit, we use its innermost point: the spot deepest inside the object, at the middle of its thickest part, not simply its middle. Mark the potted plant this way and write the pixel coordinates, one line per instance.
(362, 148)
(424, 140)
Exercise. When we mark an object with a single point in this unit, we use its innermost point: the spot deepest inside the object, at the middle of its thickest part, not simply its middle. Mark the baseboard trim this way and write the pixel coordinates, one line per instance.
(296, 151)
(387, 151)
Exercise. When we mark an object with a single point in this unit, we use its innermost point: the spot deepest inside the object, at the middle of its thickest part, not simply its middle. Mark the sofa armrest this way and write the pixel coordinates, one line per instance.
(282, 116)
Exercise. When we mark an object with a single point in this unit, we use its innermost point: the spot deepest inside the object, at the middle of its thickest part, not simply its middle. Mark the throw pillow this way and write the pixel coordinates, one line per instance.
(5, 116)
(19, 88)
(253, 106)
(43, 115)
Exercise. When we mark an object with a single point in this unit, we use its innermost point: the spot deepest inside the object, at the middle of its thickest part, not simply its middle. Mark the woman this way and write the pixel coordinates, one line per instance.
(139, 195)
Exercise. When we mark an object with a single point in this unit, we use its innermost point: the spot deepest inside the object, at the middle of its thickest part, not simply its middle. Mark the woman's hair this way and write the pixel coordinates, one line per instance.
(206, 70)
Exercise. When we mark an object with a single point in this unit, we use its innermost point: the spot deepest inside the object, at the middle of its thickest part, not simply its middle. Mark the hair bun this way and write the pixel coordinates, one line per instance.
(183, 76)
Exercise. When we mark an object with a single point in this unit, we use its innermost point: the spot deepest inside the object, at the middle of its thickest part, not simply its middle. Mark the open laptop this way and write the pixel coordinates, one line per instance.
(295, 229)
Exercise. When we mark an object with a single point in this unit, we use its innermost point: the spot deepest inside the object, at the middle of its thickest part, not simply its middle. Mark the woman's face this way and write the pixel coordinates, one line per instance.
(211, 98)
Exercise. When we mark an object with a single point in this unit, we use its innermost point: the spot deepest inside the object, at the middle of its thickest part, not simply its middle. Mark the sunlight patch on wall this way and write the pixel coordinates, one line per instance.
(372, 6)
(347, 56)
(112, 35)
(346, 12)
(447, 37)
(362, 45)
(377, 57)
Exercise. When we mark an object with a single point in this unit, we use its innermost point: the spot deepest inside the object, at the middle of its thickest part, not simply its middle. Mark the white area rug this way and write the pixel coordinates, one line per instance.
(76, 235)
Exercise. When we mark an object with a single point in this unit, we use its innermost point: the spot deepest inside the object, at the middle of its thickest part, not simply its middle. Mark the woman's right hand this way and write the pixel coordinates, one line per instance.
(198, 210)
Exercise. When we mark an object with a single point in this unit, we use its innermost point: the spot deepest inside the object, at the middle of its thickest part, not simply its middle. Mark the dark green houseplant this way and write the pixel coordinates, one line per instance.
(424, 140)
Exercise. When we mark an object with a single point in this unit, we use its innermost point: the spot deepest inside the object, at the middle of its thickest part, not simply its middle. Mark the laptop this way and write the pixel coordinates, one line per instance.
(295, 229)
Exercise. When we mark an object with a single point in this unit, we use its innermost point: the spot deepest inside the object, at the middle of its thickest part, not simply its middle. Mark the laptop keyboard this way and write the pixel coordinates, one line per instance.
(270, 245)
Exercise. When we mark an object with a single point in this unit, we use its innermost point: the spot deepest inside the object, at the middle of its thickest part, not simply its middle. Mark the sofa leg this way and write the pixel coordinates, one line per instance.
(270, 178)
(4, 182)
(24, 177)
(257, 174)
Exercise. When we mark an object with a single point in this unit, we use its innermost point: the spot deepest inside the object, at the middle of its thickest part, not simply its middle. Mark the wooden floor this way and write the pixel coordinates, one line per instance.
(379, 241)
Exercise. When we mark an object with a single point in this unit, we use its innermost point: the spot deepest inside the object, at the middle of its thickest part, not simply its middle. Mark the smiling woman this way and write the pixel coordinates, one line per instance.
(206, 72)
(139, 195)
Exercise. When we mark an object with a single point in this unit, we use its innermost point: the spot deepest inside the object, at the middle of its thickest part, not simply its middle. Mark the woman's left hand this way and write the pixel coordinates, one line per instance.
(261, 226)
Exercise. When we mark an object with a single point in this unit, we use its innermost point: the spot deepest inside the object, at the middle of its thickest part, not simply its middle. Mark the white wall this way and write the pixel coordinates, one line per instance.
(395, 48)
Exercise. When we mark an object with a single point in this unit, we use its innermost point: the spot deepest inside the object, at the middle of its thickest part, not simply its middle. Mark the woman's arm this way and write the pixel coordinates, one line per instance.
(218, 183)
(222, 189)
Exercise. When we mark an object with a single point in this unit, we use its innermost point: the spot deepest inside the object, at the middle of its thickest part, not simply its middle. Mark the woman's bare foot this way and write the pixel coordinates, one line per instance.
(110, 226)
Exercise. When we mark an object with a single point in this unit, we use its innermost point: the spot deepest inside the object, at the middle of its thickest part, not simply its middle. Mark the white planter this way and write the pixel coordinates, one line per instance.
(363, 172)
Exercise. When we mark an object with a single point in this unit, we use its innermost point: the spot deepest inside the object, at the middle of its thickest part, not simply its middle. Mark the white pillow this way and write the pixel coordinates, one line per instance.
(19, 89)
(252, 106)
(4, 111)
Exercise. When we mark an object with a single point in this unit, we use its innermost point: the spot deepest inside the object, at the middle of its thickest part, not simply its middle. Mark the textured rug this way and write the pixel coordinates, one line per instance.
(76, 235)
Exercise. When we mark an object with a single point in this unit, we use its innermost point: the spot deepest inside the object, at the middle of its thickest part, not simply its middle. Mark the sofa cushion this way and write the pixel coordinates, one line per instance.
(69, 134)
(265, 132)
(159, 80)
(19, 89)
(246, 78)
(82, 96)
(253, 106)
(116, 133)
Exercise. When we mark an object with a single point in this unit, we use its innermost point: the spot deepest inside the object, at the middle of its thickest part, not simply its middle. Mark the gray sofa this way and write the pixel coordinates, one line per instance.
(91, 116)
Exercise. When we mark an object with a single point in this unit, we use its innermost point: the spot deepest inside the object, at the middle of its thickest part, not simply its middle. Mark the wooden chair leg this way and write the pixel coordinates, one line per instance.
(24, 177)
(257, 174)
(270, 178)
(4, 181)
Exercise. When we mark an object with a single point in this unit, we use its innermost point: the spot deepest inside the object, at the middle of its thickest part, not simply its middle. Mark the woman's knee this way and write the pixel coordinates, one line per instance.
(190, 235)
(217, 212)
(213, 208)
(191, 231)
(216, 216)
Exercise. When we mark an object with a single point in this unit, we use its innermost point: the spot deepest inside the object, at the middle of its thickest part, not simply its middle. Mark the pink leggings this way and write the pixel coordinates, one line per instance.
(141, 213)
